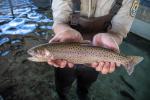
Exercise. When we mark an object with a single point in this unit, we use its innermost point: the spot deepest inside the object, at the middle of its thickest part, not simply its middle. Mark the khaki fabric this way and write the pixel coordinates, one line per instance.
(121, 23)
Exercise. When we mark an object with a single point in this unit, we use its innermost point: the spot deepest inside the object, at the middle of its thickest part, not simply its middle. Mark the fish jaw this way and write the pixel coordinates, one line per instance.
(37, 59)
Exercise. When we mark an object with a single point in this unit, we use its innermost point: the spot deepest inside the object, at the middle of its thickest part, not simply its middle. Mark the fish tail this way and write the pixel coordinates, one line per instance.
(134, 60)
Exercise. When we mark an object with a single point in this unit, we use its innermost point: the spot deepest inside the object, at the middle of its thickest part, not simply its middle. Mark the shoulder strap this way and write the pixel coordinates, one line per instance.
(76, 5)
(114, 10)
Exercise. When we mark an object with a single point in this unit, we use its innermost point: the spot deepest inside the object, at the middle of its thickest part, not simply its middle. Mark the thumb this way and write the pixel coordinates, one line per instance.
(115, 46)
(106, 41)
(111, 44)
(54, 39)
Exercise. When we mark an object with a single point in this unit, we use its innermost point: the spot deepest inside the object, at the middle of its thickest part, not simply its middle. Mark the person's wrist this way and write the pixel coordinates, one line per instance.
(61, 27)
(63, 31)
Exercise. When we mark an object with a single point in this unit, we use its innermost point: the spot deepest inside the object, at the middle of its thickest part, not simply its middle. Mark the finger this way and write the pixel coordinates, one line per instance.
(58, 62)
(63, 64)
(52, 62)
(54, 39)
(94, 65)
(118, 64)
(105, 69)
(97, 41)
(70, 65)
(112, 46)
(100, 66)
(49, 62)
(80, 36)
(115, 46)
(112, 67)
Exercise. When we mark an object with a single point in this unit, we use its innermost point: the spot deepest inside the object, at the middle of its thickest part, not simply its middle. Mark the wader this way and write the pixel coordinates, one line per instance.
(85, 75)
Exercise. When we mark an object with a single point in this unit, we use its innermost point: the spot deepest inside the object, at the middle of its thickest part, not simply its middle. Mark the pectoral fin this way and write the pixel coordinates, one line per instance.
(36, 59)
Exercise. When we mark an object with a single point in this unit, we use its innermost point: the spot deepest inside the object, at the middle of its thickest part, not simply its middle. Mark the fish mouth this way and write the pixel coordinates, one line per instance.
(35, 57)
(30, 58)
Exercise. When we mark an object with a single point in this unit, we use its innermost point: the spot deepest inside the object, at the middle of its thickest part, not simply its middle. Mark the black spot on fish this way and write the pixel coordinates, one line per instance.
(127, 95)
(129, 85)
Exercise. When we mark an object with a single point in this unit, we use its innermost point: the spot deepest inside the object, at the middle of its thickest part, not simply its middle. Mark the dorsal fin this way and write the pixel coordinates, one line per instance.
(83, 42)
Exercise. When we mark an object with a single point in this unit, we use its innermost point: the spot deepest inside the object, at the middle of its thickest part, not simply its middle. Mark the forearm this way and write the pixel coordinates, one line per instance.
(61, 27)
(61, 13)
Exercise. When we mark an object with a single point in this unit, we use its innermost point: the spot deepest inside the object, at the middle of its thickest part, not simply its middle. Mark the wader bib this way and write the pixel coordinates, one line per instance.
(90, 26)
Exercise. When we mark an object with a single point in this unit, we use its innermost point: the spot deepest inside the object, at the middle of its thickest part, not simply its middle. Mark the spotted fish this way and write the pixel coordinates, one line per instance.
(81, 53)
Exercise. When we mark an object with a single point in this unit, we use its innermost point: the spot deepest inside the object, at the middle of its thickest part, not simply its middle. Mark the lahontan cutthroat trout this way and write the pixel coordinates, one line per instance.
(81, 53)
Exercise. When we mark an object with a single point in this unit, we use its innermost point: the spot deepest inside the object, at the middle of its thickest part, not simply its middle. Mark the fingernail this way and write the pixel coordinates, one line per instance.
(94, 65)
(103, 72)
(55, 65)
(98, 69)
(101, 63)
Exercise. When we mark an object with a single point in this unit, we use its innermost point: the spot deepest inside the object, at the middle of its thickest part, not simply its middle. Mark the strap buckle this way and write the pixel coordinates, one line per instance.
(75, 17)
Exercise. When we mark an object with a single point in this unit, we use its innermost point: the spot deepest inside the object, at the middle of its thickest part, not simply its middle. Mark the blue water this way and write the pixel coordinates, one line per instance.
(24, 12)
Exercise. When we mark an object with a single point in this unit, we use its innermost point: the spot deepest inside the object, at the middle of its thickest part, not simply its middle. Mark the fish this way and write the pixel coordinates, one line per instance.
(81, 53)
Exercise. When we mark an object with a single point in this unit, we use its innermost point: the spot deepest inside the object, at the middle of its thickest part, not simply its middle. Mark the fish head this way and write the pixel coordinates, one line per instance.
(39, 54)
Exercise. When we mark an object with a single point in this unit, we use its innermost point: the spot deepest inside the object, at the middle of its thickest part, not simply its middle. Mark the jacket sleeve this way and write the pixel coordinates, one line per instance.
(121, 23)
(61, 11)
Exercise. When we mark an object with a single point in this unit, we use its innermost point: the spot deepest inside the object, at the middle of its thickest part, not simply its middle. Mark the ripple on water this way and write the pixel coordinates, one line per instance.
(4, 40)
(26, 21)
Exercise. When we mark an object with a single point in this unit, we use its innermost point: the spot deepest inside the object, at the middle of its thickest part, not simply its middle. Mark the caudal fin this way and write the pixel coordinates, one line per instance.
(134, 60)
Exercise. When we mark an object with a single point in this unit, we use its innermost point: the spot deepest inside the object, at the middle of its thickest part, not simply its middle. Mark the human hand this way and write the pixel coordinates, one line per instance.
(105, 40)
(70, 35)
